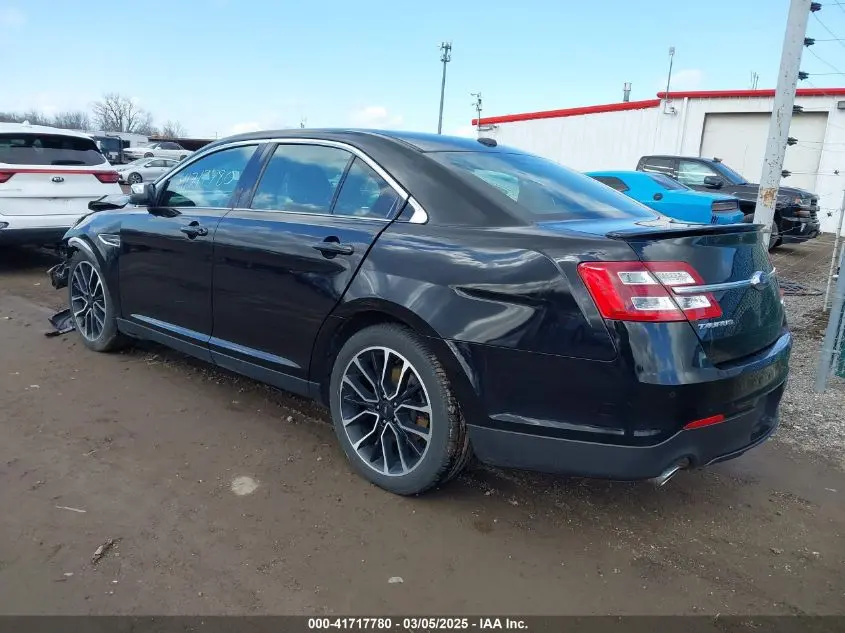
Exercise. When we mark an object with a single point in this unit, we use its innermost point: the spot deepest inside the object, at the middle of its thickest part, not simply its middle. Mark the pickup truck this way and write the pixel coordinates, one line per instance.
(796, 210)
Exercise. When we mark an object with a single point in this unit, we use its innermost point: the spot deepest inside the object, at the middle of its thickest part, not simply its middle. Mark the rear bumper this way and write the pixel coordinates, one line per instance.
(702, 446)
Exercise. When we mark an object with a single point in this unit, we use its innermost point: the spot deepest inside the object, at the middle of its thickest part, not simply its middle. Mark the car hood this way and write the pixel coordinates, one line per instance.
(749, 190)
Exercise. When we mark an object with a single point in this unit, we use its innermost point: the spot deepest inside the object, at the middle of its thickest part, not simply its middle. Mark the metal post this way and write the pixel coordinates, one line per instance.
(833, 257)
(829, 346)
(446, 57)
(790, 60)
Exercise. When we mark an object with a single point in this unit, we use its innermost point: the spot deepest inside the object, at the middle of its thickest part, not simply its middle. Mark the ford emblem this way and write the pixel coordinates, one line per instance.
(58, 179)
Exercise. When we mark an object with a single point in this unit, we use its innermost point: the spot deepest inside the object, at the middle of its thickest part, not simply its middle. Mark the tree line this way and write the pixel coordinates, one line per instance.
(113, 113)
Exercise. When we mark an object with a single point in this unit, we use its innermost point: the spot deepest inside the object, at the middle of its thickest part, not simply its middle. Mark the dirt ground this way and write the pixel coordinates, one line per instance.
(227, 497)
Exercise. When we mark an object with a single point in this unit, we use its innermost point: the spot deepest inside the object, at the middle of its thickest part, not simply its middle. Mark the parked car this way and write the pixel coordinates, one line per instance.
(671, 198)
(165, 149)
(796, 210)
(145, 169)
(111, 147)
(445, 296)
(47, 178)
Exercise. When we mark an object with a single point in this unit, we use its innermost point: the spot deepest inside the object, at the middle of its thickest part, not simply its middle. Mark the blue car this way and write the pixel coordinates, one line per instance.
(671, 198)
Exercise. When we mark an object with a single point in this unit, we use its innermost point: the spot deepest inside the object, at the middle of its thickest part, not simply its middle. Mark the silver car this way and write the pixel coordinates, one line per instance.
(145, 169)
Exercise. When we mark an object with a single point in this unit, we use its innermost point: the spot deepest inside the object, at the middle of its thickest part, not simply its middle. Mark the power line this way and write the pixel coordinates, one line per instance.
(824, 26)
(823, 61)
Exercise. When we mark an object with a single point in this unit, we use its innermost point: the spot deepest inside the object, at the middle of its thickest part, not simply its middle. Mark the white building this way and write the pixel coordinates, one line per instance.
(732, 125)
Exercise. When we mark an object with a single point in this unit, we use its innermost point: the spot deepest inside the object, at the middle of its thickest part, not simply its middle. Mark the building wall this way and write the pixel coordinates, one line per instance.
(616, 140)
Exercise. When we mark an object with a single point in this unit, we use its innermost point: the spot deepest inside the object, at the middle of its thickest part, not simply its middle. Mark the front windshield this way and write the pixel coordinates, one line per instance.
(544, 188)
(730, 174)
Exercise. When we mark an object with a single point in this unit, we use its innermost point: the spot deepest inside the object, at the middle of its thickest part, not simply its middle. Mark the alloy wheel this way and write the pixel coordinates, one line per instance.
(88, 301)
(385, 411)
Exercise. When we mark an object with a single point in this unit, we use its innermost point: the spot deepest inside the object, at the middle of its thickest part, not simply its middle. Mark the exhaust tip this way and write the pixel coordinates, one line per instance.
(670, 472)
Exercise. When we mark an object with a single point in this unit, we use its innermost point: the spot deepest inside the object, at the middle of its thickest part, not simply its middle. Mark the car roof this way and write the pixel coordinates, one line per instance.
(677, 156)
(25, 128)
(420, 141)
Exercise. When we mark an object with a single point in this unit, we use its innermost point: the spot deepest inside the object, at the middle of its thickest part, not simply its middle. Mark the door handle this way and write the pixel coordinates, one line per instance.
(194, 230)
(331, 247)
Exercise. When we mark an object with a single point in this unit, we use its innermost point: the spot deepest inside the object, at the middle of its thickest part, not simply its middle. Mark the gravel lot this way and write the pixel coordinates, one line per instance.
(221, 496)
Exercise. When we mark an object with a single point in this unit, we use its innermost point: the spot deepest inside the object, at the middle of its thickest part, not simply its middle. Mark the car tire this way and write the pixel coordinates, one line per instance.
(425, 442)
(183, 157)
(134, 178)
(92, 305)
(775, 239)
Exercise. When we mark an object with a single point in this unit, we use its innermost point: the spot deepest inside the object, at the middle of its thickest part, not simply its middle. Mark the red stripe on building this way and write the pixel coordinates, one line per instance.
(653, 103)
(554, 114)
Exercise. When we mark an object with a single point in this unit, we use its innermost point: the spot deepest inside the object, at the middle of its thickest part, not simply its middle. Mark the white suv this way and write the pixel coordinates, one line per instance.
(47, 178)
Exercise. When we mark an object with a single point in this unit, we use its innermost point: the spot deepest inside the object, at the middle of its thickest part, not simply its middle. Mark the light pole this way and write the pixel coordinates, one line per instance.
(445, 57)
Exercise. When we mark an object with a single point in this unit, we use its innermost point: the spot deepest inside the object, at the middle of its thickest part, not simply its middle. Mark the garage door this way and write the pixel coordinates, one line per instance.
(740, 141)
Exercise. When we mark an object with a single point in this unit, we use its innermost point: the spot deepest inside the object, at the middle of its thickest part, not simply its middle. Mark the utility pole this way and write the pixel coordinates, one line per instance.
(667, 104)
(790, 61)
(477, 105)
(445, 57)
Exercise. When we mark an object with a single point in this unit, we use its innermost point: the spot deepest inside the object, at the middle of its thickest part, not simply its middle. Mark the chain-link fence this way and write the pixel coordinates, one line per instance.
(832, 359)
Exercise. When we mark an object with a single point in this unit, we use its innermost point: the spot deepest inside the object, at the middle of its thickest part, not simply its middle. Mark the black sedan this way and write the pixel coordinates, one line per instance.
(445, 297)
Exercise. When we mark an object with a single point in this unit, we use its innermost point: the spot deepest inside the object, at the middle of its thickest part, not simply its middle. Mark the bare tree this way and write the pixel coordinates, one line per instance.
(118, 113)
(173, 129)
(34, 117)
(72, 120)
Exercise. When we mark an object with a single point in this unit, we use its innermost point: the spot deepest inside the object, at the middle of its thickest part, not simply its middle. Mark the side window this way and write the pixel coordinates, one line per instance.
(301, 179)
(155, 163)
(365, 194)
(208, 182)
(659, 165)
(692, 172)
(612, 181)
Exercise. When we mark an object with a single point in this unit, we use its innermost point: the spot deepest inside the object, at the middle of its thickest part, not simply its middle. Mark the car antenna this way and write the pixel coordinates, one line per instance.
(487, 142)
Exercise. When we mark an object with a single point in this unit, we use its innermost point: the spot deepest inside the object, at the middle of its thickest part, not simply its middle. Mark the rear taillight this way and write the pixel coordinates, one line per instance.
(107, 176)
(635, 291)
(5, 176)
(721, 207)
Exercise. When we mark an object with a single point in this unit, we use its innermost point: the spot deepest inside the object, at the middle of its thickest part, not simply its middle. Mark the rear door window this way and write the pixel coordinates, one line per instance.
(365, 194)
(660, 165)
(48, 149)
(301, 179)
(540, 187)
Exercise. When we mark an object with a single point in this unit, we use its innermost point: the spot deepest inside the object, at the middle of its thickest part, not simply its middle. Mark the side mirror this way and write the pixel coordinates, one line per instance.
(713, 182)
(658, 196)
(143, 194)
(109, 203)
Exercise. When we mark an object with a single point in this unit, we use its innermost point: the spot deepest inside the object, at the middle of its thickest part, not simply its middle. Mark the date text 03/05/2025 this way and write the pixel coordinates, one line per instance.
(416, 623)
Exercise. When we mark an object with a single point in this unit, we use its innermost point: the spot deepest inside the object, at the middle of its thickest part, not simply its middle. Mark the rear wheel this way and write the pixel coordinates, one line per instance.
(91, 305)
(394, 411)
(134, 178)
(148, 155)
(183, 157)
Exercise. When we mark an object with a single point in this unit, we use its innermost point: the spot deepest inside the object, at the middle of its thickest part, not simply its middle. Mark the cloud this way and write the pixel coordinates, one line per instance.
(11, 18)
(686, 79)
(375, 117)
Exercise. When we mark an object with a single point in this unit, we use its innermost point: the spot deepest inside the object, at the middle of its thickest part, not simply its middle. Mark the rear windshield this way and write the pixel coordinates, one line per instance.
(48, 149)
(666, 182)
(544, 188)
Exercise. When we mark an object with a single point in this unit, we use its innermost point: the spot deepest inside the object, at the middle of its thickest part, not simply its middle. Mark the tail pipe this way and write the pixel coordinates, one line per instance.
(670, 472)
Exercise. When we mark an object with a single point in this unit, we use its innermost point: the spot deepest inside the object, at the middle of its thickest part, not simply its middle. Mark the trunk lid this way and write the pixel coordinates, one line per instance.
(734, 264)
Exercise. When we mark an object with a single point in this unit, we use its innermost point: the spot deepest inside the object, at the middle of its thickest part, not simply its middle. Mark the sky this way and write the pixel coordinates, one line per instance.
(226, 66)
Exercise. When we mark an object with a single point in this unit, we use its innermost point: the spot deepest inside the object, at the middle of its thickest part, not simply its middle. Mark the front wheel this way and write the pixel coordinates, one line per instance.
(394, 411)
(775, 238)
(91, 305)
(134, 178)
(148, 155)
